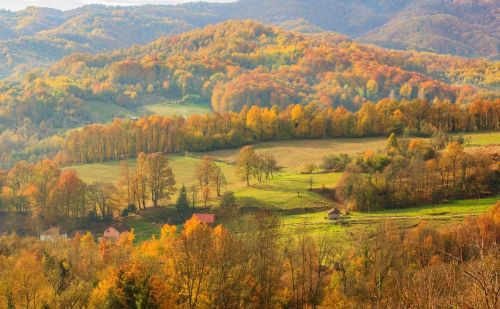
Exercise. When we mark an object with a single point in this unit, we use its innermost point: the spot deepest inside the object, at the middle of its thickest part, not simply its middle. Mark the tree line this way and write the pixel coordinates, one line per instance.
(126, 138)
(257, 267)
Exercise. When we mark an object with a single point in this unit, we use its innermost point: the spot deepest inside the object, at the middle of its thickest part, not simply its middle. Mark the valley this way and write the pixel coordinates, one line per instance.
(324, 154)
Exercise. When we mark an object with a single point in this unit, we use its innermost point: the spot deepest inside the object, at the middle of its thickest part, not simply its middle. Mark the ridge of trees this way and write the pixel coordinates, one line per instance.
(125, 139)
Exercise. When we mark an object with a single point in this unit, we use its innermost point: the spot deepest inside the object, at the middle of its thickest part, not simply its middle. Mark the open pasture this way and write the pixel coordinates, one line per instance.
(285, 190)
(182, 166)
(481, 138)
(357, 223)
(106, 112)
(288, 192)
(293, 155)
(170, 109)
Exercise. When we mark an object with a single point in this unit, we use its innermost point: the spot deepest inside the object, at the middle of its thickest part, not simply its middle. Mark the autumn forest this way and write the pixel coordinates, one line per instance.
(241, 164)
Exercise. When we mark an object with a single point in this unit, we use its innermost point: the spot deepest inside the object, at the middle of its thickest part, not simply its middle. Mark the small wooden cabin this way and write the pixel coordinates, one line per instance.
(334, 214)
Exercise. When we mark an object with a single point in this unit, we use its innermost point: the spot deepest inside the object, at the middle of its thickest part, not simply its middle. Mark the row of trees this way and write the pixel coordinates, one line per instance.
(256, 267)
(125, 139)
(48, 193)
(416, 172)
(250, 164)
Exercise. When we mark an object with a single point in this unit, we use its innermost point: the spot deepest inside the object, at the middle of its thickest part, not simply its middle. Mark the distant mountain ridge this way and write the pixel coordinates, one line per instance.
(41, 36)
(461, 27)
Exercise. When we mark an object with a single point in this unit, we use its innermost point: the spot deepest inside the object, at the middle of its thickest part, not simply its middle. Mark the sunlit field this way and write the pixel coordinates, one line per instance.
(286, 190)
(481, 138)
(294, 155)
(171, 109)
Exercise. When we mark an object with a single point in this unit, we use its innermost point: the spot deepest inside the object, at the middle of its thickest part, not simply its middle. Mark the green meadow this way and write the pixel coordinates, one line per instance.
(481, 138)
(170, 109)
(288, 192)
(293, 155)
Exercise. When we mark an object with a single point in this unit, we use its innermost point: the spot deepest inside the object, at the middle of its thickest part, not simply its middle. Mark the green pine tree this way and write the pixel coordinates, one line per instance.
(182, 200)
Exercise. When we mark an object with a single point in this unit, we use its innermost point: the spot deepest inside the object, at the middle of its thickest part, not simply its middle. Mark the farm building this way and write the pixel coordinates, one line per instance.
(334, 214)
(111, 233)
(52, 234)
(205, 218)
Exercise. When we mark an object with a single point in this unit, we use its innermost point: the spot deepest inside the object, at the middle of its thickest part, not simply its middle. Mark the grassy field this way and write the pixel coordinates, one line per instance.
(279, 192)
(449, 209)
(295, 154)
(170, 109)
(292, 156)
(358, 225)
(183, 168)
(101, 112)
(106, 112)
(289, 189)
(481, 138)
(288, 192)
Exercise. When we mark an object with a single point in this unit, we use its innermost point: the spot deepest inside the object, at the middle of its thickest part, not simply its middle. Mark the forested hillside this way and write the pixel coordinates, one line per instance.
(242, 63)
(191, 156)
(39, 36)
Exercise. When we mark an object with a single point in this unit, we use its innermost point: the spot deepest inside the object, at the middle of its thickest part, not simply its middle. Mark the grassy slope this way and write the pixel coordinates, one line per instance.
(482, 138)
(281, 191)
(183, 168)
(288, 191)
(359, 225)
(293, 155)
(105, 112)
(170, 109)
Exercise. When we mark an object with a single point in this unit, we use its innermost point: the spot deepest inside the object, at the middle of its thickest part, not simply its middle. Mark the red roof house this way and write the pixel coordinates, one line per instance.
(205, 218)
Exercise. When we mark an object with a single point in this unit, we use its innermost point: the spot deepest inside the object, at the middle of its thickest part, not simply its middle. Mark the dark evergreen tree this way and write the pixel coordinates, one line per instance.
(182, 201)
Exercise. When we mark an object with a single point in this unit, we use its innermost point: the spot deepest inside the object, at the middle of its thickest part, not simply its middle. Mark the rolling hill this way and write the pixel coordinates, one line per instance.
(467, 28)
(40, 36)
(238, 63)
